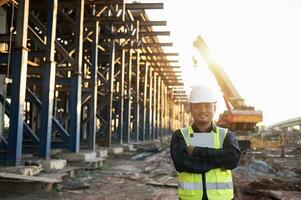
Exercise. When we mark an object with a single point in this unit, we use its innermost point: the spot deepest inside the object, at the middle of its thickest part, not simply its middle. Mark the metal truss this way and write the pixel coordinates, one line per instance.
(84, 74)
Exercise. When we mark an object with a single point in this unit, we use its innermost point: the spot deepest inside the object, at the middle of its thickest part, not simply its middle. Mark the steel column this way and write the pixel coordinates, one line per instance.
(159, 108)
(93, 101)
(128, 101)
(121, 98)
(3, 88)
(149, 123)
(76, 81)
(144, 111)
(48, 83)
(154, 106)
(110, 95)
(136, 100)
(18, 87)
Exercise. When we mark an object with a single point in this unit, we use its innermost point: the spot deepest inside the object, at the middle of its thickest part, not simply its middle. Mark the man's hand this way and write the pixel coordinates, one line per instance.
(189, 150)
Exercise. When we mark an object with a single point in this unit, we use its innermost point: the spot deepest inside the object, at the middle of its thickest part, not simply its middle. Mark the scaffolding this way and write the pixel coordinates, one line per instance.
(82, 74)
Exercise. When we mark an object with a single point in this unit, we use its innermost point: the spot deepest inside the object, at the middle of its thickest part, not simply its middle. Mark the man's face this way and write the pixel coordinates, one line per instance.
(202, 113)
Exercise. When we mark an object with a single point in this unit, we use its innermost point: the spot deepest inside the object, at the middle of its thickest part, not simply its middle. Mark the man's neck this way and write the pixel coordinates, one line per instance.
(203, 127)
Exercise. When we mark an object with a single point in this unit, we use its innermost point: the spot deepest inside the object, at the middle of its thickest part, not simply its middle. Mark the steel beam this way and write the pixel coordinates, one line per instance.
(154, 33)
(18, 87)
(159, 54)
(157, 45)
(116, 22)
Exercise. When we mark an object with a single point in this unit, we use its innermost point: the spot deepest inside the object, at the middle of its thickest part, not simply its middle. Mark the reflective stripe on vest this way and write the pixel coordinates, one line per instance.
(210, 186)
(219, 183)
(219, 186)
(190, 186)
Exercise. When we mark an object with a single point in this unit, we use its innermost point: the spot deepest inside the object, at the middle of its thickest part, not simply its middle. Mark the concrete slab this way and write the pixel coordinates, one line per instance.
(77, 157)
(101, 153)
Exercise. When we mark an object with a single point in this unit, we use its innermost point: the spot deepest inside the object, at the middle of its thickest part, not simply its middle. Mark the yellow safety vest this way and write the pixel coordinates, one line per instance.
(219, 185)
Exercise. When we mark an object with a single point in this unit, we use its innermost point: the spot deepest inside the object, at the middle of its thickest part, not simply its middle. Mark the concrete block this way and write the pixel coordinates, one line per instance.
(128, 147)
(23, 170)
(92, 164)
(101, 153)
(54, 152)
(77, 157)
(53, 164)
(27, 156)
(114, 150)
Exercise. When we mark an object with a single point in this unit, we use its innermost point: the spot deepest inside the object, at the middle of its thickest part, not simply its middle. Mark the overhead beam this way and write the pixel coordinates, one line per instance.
(159, 54)
(118, 21)
(164, 44)
(154, 33)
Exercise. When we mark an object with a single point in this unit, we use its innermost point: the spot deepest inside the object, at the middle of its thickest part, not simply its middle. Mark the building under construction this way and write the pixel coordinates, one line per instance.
(90, 94)
(84, 74)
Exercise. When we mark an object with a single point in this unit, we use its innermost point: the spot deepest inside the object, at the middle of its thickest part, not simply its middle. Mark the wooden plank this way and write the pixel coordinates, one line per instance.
(28, 178)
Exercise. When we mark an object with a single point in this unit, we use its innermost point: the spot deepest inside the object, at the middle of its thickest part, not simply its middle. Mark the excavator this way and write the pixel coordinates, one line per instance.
(238, 117)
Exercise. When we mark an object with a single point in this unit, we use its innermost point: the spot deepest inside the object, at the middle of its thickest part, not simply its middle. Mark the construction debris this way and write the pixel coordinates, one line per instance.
(148, 173)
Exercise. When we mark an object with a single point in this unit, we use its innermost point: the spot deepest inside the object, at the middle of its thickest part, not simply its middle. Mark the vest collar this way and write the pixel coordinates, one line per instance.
(212, 127)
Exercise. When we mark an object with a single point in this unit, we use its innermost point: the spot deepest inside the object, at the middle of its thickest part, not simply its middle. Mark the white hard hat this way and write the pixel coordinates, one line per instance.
(202, 94)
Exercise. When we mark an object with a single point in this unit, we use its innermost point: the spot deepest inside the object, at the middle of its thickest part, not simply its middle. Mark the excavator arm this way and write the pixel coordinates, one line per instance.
(238, 116)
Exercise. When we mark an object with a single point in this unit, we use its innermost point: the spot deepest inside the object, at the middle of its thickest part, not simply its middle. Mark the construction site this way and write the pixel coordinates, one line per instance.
(90, 97)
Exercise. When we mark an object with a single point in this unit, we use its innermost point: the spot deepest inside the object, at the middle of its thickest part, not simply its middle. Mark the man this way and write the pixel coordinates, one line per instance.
(204, 169)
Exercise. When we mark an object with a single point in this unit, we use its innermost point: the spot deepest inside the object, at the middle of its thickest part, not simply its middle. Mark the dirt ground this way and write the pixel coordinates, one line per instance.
(148, 174)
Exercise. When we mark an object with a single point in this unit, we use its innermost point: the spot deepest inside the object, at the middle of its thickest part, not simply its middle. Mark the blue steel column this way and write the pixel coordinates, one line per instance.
(127, 124)
(162, 109)
(48, 83)
(166, 111)
(154, 106)
(149, 105)
(93, 102)
(159, 106)
(110, 96)
(121, 98)
(18, 87)
(144, 112)
(136, 101)
(76, 80)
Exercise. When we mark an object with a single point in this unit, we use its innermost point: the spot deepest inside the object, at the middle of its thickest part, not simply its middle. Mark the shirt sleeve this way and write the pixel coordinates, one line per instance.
(226, 157)
(184, 162)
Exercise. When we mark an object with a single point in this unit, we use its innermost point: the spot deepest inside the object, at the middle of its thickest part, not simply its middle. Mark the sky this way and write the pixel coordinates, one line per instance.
(257, 43)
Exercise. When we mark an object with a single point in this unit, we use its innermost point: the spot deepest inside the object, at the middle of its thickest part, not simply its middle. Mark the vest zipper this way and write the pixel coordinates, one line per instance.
(205, 197)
